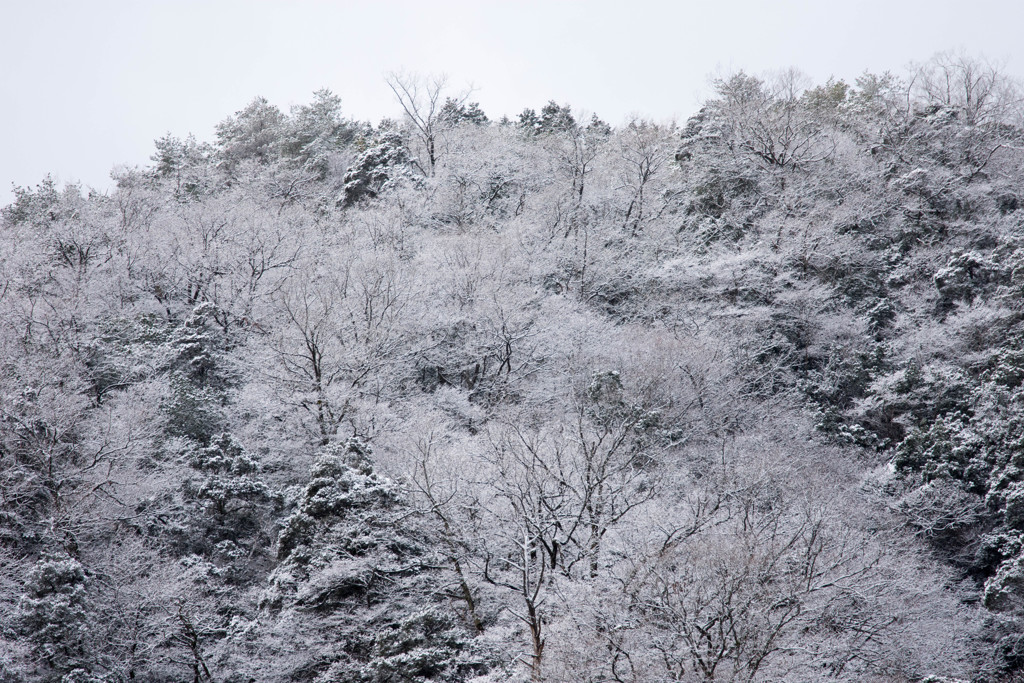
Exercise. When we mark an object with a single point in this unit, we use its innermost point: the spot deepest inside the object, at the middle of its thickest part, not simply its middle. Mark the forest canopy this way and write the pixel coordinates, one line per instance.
(451, 398)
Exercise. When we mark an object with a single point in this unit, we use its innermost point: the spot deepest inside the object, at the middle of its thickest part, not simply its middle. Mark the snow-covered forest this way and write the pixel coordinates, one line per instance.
(449, 398)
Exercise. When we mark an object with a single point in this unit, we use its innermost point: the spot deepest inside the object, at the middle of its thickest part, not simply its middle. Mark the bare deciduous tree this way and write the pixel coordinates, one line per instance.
(422, 99)
(644, 151)
(977, 87)
(766, 122)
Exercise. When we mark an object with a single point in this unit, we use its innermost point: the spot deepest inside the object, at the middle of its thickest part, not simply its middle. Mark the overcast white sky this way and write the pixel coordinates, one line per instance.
(85, 86)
